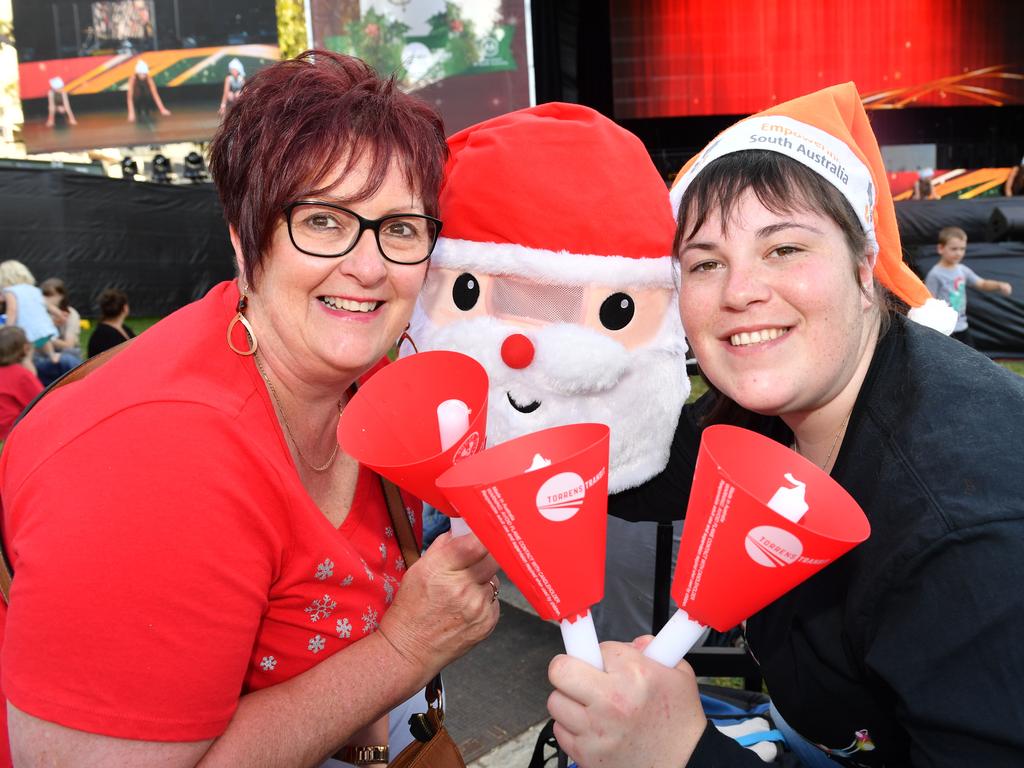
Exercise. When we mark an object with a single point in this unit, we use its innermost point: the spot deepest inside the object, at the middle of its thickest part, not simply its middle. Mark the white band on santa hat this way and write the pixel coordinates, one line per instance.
(823, 153)
(552, 267)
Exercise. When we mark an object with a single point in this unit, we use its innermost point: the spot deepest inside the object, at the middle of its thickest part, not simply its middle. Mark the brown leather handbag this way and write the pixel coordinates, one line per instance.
(433, 746)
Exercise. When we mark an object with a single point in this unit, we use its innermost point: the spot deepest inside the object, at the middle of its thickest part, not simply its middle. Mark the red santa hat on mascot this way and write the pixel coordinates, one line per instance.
(828, 131)
(555, 193)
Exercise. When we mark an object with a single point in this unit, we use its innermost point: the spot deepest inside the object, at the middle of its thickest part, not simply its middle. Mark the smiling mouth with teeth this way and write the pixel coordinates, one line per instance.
(528, 408)
(756, 337)
(348, 305)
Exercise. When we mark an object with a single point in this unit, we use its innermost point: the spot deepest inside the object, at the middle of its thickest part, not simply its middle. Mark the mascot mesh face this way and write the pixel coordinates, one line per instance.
(562, 353)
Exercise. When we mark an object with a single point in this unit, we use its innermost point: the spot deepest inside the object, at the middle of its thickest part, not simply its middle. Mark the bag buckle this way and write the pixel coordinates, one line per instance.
(421, 727)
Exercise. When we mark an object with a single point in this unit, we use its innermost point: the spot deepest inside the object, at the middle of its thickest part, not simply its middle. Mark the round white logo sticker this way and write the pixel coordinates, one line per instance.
(772, 547)
(469, 446)
(561, 496)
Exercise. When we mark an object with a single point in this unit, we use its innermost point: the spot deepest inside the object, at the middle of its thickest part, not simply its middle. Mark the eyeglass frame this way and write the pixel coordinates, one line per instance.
(364, 224)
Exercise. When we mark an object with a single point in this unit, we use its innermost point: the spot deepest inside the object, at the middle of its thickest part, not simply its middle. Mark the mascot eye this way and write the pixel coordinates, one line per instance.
(616, 311)
(466, 292)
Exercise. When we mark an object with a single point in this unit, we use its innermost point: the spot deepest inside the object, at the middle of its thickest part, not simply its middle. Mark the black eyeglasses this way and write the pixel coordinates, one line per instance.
(327, 230)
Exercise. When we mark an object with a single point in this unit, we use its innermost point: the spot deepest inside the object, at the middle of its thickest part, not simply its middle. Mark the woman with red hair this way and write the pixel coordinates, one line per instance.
(224, 584)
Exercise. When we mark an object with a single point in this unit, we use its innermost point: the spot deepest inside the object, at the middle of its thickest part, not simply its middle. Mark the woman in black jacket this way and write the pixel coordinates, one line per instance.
(907, 650)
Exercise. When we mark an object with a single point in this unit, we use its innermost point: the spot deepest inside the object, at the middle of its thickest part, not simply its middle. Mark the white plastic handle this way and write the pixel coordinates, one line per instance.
(580, 639)
(453, 424)
(675, 639)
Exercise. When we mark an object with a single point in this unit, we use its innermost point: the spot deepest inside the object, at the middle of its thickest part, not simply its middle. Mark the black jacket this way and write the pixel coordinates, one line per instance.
(917, 635)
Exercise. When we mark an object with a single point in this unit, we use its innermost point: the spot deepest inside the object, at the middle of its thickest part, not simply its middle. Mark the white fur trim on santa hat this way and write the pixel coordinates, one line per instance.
(553, 267)
(935, 313)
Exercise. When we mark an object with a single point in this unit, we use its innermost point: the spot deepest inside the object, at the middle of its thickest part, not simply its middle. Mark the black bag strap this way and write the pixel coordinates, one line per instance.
(79, 372)
(423, 726)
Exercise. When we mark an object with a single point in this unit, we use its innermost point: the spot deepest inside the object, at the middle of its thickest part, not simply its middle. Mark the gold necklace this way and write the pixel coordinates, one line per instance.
(284, 420)
(835, 441)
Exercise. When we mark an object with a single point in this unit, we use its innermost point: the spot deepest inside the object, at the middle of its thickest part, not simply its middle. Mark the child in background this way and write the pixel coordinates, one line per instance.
(948, 280)
(18, 380)
(26, 308)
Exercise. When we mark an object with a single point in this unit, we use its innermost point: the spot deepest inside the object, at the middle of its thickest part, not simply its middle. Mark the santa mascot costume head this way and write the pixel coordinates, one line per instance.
(554, 271)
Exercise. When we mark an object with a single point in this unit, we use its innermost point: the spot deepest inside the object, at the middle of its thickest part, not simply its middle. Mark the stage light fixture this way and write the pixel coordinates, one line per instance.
(128, 169)
(161, 170)
(195, 168)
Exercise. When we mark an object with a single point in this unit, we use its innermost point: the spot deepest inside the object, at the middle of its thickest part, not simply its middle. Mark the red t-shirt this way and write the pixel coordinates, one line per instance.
(167, 558)
(17, 388)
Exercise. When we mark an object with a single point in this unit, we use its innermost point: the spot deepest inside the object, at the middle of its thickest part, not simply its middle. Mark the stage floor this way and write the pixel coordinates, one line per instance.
(112, 129)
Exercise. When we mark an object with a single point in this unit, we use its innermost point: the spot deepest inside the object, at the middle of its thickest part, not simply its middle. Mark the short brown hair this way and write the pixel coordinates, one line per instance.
(12, 345)
(54, 286)
(781, 184)
(951, 233)
(295, 120)
(111, 302)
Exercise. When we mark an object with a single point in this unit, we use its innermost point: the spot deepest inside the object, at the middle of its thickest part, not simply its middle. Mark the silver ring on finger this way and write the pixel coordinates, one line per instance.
(494, 589)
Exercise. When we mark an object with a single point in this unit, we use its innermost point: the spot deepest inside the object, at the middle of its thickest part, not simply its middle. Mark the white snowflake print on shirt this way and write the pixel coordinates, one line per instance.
(316, 644)
(400, 564)
(347, 580)
(325, 570)
(268, 663)
(383, 551)
(370, 621)
(322, 608)
(343, 628)
(369, 573)
(411, 515)
(388, 532)
(389, 589)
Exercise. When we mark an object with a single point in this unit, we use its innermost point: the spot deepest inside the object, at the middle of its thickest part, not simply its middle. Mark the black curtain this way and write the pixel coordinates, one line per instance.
(572, 53)
(163, 245)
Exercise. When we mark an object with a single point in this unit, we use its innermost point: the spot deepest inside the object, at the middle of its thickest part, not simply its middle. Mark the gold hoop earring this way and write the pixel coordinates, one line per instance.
(243, 302)
(404, 338)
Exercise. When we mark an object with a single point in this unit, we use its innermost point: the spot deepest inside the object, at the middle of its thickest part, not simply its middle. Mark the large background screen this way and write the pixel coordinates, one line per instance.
(730, 57)
(90, 51)
(468, 57)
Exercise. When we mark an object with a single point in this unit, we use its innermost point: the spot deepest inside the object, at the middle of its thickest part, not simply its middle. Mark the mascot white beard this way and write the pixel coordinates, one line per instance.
(577, 375)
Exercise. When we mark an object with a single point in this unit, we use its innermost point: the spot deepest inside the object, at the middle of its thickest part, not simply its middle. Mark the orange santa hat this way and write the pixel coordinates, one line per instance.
(828, 131)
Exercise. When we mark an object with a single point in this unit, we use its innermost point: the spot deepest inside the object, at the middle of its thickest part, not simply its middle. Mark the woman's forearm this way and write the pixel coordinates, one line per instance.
(308, 718)
(10, 308)
(296, 723)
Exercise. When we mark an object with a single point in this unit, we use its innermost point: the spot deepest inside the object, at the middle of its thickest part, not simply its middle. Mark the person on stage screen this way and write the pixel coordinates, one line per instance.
(142, 94)
(232, 84)
(58, 104)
